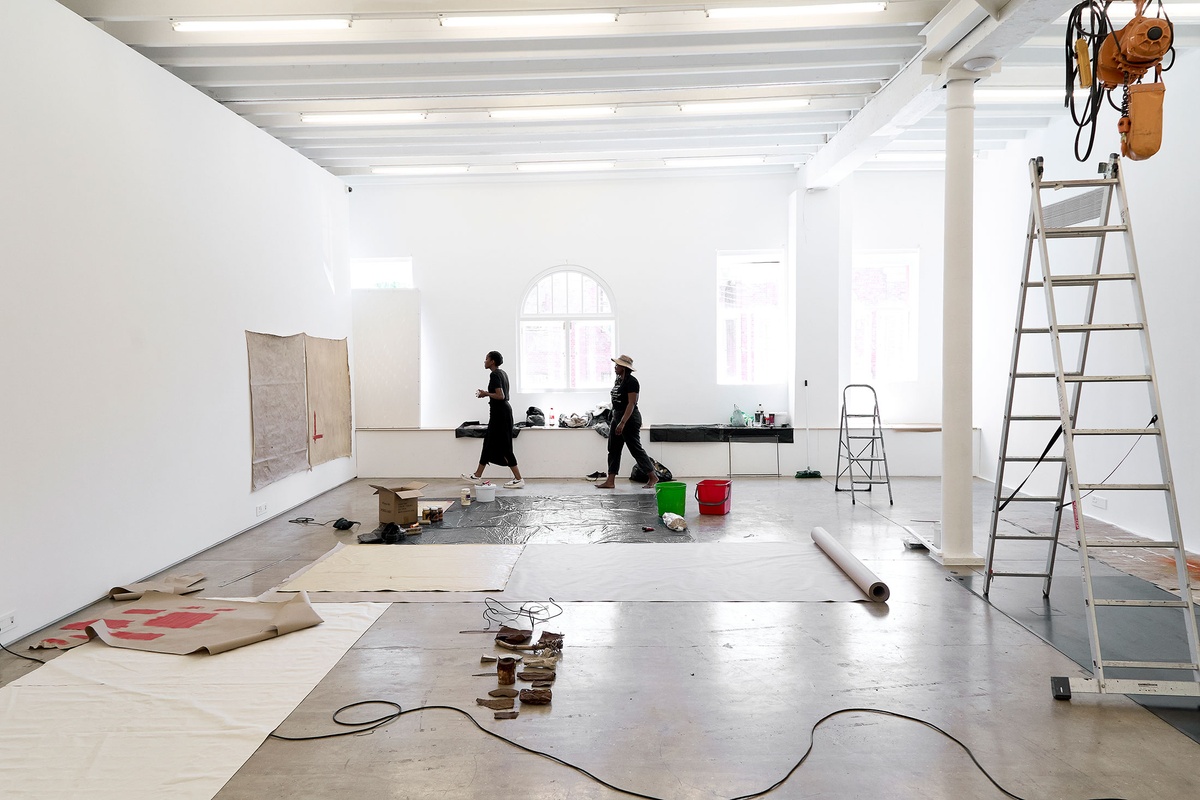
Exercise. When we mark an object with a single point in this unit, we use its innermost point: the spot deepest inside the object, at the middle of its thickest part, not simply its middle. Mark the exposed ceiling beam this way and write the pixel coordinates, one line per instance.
(915, 91)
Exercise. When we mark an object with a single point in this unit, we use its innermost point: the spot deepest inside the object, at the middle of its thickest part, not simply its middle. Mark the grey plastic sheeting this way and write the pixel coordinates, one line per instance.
(552, 520)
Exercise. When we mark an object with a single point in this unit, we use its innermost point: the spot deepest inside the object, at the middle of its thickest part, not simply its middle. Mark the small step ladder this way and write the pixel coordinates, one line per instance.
(866, 459)
(1090, 202)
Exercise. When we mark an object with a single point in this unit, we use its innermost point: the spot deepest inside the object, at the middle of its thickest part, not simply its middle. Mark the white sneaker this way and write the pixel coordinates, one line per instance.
(516, 483)
(471, 479)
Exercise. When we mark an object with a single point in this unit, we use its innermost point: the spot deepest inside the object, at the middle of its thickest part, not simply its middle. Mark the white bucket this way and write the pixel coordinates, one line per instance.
(485, 494)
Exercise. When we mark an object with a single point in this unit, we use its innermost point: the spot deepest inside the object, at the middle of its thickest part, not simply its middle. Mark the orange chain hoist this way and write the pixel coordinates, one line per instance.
(1122, 60)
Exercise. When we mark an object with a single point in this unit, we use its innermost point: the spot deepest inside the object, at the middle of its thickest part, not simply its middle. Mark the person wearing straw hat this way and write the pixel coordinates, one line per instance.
(627, 425)
(498, 440)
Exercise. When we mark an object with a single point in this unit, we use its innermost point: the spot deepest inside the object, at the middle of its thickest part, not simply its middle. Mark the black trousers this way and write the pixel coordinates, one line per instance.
(631, 436)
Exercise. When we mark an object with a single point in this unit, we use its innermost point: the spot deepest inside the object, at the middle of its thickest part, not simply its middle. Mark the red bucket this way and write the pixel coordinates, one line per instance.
(714, 497)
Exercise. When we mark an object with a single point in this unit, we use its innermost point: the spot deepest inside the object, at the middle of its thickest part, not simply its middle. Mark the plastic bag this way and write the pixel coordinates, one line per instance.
(534, 417)
(662, 473)
(739, 418)
(674, 522)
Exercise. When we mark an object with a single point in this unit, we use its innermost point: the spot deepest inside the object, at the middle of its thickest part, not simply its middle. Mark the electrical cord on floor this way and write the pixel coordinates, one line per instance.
(341, 523)
(378, 722)
(534, 611)
(18, 655)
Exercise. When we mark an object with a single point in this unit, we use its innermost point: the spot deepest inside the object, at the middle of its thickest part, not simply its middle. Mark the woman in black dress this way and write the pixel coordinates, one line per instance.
(498, 441)
(626, 425)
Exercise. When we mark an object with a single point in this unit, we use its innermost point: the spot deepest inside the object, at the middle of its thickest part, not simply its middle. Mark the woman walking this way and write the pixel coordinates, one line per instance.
(498, 440)
(626, 426)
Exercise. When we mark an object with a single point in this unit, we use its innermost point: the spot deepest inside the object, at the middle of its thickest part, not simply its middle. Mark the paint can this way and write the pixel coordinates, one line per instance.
(506, 670)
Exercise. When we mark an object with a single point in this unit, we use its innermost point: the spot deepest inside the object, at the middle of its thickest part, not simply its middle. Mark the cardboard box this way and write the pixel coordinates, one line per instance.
(399, 504)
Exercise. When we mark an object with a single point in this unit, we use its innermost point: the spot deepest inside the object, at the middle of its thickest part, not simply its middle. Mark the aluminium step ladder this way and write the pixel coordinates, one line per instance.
(864, 453)
(1090, 201)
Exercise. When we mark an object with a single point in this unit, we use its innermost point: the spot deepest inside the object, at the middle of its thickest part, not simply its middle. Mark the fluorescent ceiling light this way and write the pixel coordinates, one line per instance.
(716, 161)
(1019, 95)
(553, 112)
(744, 106)
(526, 20)
(923, 155)
(227, 25)
(565, 166)
(443, 169)
(828, 9)
(363, 118)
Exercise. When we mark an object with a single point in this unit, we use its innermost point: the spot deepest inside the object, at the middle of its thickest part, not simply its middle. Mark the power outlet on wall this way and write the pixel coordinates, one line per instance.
(260, 510)
(8, 620)
(1099, 502)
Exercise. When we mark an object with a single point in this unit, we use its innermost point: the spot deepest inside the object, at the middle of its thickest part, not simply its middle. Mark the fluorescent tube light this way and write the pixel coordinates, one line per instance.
(922, 155)
(363, 117)
(716, 161)
(553, 112)
(526, 20)
(442, 169)
(1019, 95)
(258, 25)
(565, 166)
(827, 9)
(743, 106)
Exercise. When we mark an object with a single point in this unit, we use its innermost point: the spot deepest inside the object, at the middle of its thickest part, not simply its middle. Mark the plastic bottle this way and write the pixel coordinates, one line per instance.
(759, 415)
(552, 419)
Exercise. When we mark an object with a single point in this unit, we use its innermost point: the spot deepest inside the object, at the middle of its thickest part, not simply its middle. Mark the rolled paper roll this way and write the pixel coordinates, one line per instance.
(855, 570)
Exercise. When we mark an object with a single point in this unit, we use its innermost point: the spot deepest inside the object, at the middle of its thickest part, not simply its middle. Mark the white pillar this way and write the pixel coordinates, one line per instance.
(954, 543)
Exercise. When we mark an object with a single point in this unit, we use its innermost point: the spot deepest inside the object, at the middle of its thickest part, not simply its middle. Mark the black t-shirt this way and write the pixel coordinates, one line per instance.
(498, 380)
(620, 395)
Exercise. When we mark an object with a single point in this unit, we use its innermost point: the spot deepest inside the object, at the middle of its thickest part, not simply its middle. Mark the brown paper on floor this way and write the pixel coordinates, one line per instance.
(171, 584)
(168, 623)
(441, 568)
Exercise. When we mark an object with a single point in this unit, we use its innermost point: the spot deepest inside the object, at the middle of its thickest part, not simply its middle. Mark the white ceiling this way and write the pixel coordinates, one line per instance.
(873, 81)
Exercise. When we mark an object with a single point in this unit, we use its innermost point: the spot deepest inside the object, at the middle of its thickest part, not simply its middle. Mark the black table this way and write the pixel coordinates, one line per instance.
(725, 433)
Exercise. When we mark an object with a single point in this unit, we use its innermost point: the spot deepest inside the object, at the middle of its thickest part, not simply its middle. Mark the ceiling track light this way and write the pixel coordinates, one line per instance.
(775, 12)
(526, 20)
(260, 25)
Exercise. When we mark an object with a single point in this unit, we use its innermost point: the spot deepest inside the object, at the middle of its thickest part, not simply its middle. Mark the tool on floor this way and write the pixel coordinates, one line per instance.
(863, 450)
(1070, 323)
(808, 471)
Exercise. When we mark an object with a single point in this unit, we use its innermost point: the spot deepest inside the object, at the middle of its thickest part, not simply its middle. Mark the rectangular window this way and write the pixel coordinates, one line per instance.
(381, 273)
(566, 354)
(883, 316)
(752, 342)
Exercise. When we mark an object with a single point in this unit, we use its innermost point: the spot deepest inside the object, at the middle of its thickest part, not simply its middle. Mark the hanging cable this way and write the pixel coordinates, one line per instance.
(1087, 27)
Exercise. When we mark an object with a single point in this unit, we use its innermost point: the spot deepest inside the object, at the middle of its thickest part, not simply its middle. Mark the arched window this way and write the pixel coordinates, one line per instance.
(568, 332)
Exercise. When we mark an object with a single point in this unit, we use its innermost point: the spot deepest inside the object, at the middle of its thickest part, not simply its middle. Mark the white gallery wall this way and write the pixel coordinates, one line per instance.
(144, 229)
(477, 247)
(1163, 196)
(902, 210)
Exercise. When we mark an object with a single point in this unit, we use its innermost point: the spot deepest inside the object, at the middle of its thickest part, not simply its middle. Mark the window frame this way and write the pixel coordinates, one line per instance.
(777, 256)
(567, 318)
(911, 371)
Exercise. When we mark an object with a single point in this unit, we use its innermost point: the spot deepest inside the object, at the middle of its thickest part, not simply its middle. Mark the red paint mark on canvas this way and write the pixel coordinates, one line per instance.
(191, 607)
(224, 609)
(117, 623)
(1193, 565)
(179, 619)
(315, 434)
(138, 635)
(78, 626)
(144, 611)
(56, 641)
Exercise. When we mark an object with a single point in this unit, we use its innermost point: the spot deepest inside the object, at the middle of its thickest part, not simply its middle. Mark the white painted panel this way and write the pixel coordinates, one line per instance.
(387, 358)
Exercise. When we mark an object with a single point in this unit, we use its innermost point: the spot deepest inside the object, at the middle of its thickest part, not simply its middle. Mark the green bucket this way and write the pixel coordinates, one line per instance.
(672, 497)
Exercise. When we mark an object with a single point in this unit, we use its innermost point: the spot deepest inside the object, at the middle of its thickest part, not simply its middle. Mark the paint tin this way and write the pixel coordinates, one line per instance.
(506, 670)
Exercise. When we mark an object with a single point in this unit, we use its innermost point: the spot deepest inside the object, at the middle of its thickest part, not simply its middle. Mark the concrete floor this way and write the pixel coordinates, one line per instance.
(711, 700)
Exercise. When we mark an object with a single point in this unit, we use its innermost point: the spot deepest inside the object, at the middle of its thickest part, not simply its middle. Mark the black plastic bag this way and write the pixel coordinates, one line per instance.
(534, 417)
(638, 474)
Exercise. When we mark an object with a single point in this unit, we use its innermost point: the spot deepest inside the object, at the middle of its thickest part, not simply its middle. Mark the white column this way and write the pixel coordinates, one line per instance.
(954, 543)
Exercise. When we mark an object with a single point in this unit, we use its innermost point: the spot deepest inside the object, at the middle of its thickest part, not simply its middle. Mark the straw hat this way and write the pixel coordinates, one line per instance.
(624, 361)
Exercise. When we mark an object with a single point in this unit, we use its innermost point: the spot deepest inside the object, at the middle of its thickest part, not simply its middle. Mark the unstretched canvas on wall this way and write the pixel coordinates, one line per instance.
(328, 365)
(278, 407)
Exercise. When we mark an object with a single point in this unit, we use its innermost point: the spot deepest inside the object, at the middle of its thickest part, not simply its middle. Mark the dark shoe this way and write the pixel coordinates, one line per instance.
(595, 476)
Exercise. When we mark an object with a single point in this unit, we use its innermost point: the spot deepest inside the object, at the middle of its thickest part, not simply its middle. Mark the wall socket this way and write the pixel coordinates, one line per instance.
(8, 620)
(1099, 502)
(260, 510)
